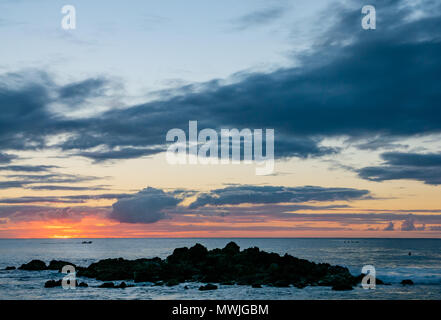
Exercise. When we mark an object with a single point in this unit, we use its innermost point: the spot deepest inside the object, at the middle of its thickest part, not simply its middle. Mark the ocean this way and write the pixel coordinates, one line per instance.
(390, 257)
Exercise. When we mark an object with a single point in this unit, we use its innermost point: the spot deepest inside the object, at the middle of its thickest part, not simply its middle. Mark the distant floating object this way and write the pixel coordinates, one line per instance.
(410, 253)
(87, 242)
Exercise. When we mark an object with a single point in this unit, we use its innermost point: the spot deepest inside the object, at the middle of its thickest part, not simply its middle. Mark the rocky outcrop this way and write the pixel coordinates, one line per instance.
(34, 265)
(58, 265)
(407, 282)
(229, 265)
(10, 268)
(58, 283)
(111, 285)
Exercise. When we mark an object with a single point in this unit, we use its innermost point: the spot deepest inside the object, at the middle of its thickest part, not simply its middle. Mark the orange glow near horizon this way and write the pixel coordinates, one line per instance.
(93, 227)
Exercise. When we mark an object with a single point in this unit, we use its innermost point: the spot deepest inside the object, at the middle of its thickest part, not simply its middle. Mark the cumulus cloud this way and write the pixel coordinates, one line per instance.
(390, 227)
(409, 225)
(146, 206)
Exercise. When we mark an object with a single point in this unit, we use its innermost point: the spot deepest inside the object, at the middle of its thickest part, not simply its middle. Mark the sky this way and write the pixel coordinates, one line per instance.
(85, 112)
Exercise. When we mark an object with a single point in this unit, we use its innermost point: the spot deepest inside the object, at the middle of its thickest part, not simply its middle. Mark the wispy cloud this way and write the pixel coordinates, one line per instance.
(258, 18)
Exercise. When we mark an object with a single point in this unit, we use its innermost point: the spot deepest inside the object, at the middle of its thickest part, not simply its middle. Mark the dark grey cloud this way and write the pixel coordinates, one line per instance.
(412, 166)
(409, 224)
(66, 188)
(376, 143)
(234, 195)
(6, 158)
(124, 153)
(24, 200)
(64, 199)
(258, 18)
(147, 206)
(24, 213)
(390, 227)
(78, 92)
(27, 168)
(29, 180)
(353, 83)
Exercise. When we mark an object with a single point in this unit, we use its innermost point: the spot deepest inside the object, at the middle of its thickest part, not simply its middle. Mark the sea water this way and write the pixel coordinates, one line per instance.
(390, 257)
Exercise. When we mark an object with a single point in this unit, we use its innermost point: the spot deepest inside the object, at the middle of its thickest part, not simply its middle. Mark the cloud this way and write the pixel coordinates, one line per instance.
(390, 227)
(257, 18)
(66, 188)
(27, 180)
(412, 166)
(6, 158)
(64, 199)
(234, 195)
(409, 225)
(28, 168)
(352, 83)
(124, 153)
(78, 92)
(26, 213)
(147, 206)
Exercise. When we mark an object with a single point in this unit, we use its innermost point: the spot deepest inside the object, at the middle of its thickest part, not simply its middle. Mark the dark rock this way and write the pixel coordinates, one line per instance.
(281, 284)
(10, 268)
(231, 248)
(256, 285)
(172, 283)
(107, 285)
(158, 284)
(198, 252)
(379, 281)
(342, 287)
(361, 276)
(58, 283)
(52, 284)
(186, 288)
(407, 282)
(58, 265)
(227, 266)
(208, 287)
(83, 285)
(122, 285)
(34, 265)
(121, 269)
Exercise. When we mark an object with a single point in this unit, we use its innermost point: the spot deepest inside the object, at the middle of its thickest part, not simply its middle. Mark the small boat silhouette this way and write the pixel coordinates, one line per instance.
(86, 242)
